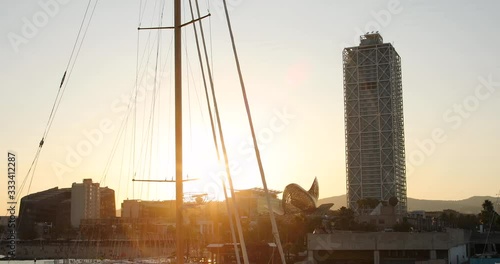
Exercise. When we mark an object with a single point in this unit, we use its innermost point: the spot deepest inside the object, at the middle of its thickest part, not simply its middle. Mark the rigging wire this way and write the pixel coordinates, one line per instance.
(197, 95)
(60, 92)
(147, 138)
(134, 170)
(129, 107)
(147, 147)
(211, 46)
(170, 97)
(52, 112)
(188, 73)
(134, 137)
(132, 153)
(252, 130)
(223, 146)
(141, 15)
(204, 80)
(122, 161)
(155, 96)
(190, 70)
(115, 147)
(71, 69)
(159, 93)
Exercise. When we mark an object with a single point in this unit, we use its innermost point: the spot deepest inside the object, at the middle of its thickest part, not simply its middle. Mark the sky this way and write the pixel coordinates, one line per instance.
(291, 58)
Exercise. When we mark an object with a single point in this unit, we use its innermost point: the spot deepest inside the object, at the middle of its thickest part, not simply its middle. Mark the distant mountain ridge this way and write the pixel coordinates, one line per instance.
(470, 205)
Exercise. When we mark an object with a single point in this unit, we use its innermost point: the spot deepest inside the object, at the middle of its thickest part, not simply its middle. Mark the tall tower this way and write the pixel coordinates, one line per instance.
(374, 132)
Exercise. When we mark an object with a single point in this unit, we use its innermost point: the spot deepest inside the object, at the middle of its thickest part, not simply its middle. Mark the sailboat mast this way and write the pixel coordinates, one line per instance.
(178, 133)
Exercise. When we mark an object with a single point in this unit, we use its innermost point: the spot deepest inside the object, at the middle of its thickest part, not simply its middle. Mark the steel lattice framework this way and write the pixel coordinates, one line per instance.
(374, 125)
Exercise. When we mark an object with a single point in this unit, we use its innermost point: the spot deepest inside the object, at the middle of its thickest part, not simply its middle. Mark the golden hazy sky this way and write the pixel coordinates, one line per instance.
(291, 56)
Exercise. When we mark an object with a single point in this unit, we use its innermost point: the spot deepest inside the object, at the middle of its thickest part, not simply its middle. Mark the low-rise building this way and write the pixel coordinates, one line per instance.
(388, 247)
(383, 217)
(149, 209)
(252, 202)
(50, 208)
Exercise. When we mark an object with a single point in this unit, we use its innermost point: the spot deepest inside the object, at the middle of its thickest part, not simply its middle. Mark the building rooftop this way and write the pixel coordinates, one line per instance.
(45, 194)
(259, 190)
(370, 38)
